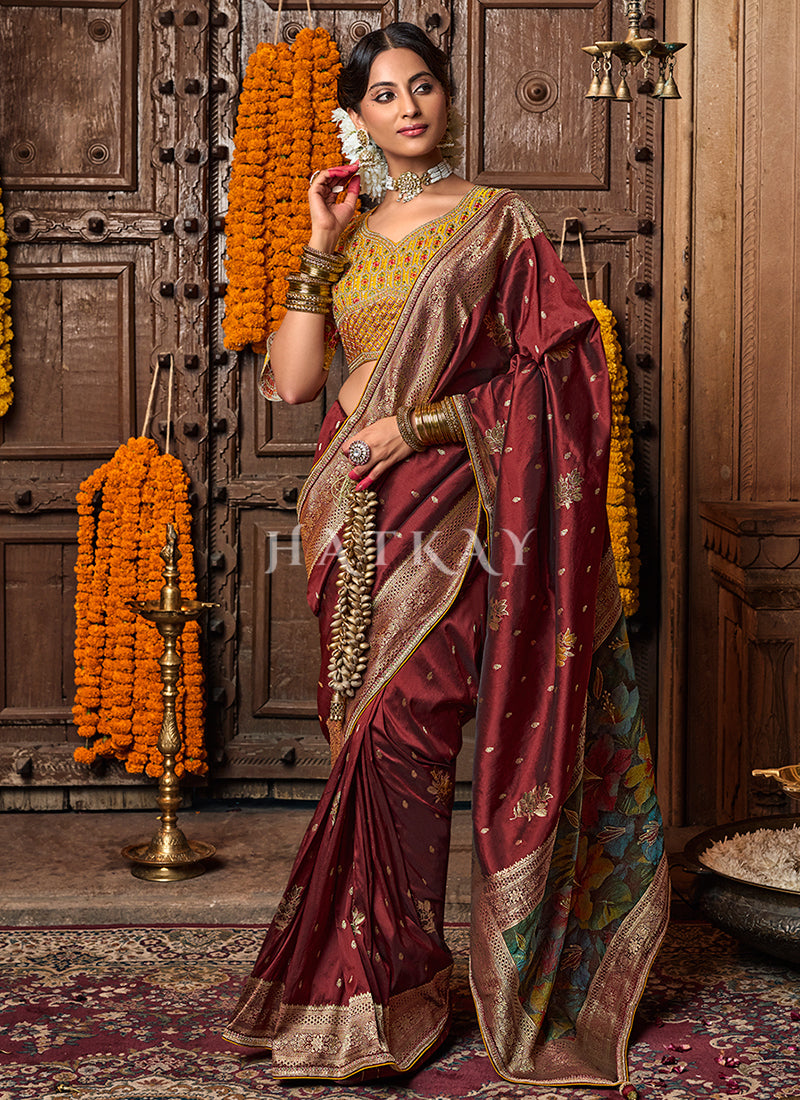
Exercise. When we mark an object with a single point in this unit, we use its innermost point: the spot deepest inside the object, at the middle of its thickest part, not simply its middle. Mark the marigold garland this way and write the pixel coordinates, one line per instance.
(284, 132)
(621, 502)
(123, 510)
(6, 378)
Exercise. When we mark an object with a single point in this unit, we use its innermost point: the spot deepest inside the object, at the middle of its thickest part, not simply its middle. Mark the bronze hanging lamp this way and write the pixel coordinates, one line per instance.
(636, 49)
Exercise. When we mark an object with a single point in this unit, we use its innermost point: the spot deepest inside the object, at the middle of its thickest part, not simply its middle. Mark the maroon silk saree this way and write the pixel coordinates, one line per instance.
(495, 592)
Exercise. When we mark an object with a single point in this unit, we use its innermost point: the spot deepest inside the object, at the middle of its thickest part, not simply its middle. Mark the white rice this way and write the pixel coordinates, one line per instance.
(765, 857)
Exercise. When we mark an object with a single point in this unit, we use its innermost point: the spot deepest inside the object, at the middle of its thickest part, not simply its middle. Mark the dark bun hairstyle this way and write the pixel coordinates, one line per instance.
(354, 76)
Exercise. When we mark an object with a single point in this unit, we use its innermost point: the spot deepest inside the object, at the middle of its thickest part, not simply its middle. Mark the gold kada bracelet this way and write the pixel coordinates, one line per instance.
(406, 430)
(438, 423)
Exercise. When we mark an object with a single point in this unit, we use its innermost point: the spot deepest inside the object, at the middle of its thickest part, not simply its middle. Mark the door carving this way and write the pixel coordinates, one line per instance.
(115, 206)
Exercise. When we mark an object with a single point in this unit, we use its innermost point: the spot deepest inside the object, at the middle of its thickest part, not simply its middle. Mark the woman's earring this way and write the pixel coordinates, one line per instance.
(368, 150)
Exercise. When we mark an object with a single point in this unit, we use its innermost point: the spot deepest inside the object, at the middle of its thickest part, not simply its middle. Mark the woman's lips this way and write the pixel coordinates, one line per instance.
(414, 131)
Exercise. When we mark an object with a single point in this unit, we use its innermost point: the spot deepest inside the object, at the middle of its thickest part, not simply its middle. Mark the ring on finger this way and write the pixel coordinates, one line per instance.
(359, 452)
(314, 175)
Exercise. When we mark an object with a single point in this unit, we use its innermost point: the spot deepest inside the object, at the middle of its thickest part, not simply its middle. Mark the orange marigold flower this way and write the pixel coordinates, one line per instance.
(621, 502)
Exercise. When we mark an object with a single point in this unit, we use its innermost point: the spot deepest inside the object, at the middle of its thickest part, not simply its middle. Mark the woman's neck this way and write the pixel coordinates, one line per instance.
(398, 166)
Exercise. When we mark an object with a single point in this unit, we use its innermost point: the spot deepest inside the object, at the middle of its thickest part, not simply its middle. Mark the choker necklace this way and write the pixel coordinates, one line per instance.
(409, 185)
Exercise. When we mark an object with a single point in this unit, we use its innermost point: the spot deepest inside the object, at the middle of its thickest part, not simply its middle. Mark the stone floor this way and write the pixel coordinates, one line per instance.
(66, 868)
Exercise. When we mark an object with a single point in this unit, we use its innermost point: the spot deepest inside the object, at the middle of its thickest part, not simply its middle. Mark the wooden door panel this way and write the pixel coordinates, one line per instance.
(283, 628)
(278, 730)
(287, 429)
(526, 94)
(69, 404)
(70, 56)
(38, 595)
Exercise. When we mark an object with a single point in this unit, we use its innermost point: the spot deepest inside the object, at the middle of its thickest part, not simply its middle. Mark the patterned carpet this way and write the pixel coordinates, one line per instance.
(134, 1014)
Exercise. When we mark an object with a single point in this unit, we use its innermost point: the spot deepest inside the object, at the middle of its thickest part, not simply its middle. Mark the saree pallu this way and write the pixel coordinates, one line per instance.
(495, 592)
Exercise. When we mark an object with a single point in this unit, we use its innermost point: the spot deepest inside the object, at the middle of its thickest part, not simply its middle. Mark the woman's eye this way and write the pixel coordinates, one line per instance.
(384, 97)
(423, 89)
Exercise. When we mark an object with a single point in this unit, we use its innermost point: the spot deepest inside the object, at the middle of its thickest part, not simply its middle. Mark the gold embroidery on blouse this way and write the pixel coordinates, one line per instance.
(369, 298)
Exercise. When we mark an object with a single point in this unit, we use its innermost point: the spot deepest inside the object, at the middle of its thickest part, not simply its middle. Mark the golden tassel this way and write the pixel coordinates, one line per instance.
(352, 615)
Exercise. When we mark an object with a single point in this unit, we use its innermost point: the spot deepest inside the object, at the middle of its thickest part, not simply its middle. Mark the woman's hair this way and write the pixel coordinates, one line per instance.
(354, 76)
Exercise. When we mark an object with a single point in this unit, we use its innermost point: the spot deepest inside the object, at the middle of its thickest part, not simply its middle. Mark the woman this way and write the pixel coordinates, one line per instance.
(473, 429)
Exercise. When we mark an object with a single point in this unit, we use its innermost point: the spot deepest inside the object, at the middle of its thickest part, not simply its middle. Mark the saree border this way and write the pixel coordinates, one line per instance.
(397, 1034)
(616, 983)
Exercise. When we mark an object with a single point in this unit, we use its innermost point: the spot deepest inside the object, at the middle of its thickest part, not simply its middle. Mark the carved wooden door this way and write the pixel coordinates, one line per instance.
(104, 166)
(118, 119)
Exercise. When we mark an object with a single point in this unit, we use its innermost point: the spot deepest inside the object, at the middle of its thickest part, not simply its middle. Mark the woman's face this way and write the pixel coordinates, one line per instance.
(404, 109)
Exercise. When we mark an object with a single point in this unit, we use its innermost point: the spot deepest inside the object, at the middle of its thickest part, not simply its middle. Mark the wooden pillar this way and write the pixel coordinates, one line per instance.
(753, 550)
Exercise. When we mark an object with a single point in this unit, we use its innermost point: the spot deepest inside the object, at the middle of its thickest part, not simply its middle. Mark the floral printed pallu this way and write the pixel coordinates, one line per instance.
(496, 594)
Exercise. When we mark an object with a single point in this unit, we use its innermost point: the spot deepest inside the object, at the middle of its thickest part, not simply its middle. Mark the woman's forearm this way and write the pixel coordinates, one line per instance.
(297, 357)
(297, 354)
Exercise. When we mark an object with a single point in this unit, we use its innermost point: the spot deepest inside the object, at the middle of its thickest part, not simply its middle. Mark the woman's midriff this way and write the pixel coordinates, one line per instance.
(354, 385)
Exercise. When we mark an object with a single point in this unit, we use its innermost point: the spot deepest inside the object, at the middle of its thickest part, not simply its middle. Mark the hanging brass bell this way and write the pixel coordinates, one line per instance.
(594, 88)
(606, 88)
(623, 92)
(670, 90)
(659, 88)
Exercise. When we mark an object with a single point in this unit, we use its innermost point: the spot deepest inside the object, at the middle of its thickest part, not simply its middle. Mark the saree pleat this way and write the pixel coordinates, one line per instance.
(495, 594)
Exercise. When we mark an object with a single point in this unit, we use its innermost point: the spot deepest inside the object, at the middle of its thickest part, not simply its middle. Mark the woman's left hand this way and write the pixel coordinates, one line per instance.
(386, 446)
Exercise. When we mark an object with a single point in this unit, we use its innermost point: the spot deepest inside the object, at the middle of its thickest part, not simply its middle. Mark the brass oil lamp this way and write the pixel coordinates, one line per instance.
(169, 856)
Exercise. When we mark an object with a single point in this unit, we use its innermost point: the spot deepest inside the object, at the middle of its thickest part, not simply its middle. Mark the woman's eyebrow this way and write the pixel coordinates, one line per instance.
(391, 84)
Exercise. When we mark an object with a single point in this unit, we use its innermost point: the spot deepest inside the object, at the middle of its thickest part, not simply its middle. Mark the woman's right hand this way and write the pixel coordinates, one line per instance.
(329, 217)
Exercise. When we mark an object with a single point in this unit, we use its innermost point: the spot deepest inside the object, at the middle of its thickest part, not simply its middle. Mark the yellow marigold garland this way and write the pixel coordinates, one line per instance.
(621, 502)
(6, 378)
(284, 132)
(123, 510)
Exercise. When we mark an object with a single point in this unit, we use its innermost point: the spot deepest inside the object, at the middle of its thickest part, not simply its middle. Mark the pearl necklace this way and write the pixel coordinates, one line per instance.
(409, 185)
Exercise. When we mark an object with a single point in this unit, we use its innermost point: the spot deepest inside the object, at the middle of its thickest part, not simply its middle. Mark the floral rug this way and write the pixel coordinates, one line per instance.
(135, 1013)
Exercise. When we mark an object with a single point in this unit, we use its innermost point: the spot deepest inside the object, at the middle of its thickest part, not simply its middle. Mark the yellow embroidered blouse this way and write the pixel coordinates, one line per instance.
(369, 297)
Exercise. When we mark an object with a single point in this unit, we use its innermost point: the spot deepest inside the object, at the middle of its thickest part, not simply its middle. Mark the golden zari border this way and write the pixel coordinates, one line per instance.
(338, 1041)
(596, 1054)
(608, 606)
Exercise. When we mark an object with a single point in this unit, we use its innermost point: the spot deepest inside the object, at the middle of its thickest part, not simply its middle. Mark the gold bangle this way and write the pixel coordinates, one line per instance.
(320, 273)
(438, 423)
(425, 424)
(331, 263)
(302, 303)
(406, 430)
(300, 284)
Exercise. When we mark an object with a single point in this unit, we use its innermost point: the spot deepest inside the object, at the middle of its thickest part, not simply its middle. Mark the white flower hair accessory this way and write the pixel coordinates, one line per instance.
(373, 168)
